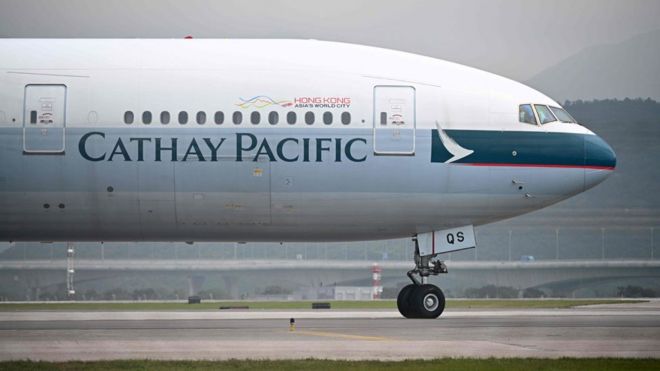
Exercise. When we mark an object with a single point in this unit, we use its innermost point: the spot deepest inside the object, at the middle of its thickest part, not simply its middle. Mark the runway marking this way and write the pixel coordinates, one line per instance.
(341, 336)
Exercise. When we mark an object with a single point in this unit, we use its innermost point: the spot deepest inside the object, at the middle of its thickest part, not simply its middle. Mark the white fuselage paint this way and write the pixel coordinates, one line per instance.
(99, 178)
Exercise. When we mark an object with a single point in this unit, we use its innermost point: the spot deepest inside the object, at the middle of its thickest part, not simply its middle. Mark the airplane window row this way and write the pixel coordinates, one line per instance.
(545, 114)
(273, 118)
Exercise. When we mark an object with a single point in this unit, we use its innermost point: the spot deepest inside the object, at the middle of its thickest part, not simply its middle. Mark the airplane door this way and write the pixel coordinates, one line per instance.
(394, 120)
(44, 118)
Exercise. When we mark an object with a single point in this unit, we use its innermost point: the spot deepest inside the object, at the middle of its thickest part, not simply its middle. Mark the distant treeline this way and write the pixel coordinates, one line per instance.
(614, 110)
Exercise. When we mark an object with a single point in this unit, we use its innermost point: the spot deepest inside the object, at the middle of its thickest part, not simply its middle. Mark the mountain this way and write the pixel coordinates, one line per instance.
(627, 69)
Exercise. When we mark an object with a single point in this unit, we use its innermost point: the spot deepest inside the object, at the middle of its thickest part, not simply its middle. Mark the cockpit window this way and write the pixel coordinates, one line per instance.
(562, 115)
(526, 114)
(545, 116)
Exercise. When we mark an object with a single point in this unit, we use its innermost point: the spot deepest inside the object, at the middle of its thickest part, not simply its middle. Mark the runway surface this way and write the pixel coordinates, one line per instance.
(627, 330)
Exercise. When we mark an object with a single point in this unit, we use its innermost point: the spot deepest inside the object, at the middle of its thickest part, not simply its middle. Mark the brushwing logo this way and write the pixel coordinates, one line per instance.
(262, 101)
(445, 149)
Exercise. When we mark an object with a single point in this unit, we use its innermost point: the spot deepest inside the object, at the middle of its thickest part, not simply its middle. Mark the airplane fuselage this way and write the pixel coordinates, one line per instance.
(228, 140)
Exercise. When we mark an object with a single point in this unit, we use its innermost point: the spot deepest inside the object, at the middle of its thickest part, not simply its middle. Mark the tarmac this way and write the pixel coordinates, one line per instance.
(622, 330)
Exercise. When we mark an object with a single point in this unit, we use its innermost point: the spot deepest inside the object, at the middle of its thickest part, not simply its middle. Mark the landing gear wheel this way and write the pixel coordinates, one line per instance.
(427, 300)
(422, 300)
(403, 302)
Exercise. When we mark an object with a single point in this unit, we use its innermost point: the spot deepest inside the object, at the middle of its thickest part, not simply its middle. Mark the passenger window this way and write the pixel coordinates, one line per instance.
(526, 114)
(146, 117)
(273, 118)
(327, 118)
(201, 117)
(219, 118)
(383, 118)
(255, 117)
(545, 116)
(345, 118)
(309, 118)
(562, 115)
(237, 118)
(128, 117)
(291, 118)
(33, 117)
(165, 117)
(183, 117)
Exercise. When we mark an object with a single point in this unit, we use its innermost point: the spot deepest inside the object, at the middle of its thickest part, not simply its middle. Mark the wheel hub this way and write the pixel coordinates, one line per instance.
(431, 302)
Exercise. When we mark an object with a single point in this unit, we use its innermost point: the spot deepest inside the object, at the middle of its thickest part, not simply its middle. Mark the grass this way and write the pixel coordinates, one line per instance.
(492, 364)
(378, 304)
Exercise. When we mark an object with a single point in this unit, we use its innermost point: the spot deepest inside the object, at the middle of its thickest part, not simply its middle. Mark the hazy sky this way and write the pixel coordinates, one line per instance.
(515, 38)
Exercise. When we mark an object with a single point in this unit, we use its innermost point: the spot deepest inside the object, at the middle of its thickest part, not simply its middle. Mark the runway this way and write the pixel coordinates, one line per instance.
(628, 330)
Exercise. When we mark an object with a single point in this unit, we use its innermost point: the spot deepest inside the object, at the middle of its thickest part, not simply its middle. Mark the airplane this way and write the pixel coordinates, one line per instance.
(276, 140)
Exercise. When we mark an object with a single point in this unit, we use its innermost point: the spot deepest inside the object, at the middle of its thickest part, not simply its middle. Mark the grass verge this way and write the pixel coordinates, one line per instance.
(377, 304)
(503, 364)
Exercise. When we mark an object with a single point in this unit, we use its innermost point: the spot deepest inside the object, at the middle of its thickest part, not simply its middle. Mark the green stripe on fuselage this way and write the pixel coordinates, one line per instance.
(513, 147)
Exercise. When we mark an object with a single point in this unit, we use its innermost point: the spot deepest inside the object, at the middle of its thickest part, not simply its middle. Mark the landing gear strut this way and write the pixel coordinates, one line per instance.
(421, 299)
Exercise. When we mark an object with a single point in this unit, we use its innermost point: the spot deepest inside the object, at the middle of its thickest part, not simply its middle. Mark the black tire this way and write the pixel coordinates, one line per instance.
(403, 302)
(428, 301)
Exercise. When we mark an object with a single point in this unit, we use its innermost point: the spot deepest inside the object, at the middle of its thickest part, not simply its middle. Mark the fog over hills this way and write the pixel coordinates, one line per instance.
(627, 69)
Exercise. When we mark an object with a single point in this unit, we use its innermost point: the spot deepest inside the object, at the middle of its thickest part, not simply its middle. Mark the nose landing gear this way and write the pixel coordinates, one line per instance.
(421, 299)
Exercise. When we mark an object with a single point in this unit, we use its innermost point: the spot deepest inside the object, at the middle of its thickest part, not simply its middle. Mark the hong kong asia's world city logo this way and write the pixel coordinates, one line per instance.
(263, 101)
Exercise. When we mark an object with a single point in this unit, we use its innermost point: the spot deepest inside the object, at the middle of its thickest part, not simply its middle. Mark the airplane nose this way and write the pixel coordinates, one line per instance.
(599, 160)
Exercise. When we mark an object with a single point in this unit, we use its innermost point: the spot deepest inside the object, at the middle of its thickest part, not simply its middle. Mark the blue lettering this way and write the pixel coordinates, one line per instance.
(119, 149)
(140, 142)
(245, 143)
(305, 149)
(349, 154)
(83, 150)
(239, 145)
(280, 150)
(214, 148)
(160, 148)
(193, 148)
(264, 148)
(320, 148)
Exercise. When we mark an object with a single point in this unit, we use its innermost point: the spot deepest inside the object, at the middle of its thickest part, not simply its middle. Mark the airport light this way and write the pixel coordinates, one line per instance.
(376, 272)
(70, 271)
